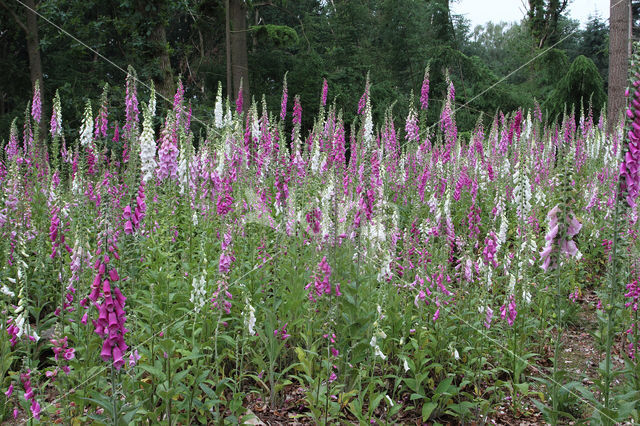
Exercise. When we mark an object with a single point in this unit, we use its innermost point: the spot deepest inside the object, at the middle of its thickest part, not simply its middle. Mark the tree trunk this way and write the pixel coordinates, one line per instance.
(227, 40)
(30, 28)
(619, 39)
(157, 42)
(158, 38)
(33, 46)
(239, 56)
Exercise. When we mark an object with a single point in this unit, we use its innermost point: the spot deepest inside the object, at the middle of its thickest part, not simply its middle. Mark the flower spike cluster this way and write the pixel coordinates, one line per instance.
(111, 314)
(558, 237)
(630, 166)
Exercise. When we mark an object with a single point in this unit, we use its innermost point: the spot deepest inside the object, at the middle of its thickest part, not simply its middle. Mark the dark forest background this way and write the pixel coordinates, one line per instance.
(204, 42)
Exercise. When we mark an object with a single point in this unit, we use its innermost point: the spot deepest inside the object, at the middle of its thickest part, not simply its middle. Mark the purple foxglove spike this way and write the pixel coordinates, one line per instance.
(95, 293)
(106, 288)
(113, 274)
(118, 362)
(118, 310)
(113, 320)
(108, 304)
(105, 354)
(102, 314)
(119, 297)
(128, 228)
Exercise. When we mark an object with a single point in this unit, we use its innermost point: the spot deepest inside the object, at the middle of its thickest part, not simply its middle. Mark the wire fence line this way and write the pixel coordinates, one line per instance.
(170, 101)
(163, 329)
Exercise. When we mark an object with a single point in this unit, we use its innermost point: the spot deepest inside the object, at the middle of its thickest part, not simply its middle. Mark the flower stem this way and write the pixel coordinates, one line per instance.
(113, 396)
(610, 309)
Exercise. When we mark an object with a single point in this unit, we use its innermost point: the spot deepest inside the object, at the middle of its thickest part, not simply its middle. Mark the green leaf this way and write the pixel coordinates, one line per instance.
(154, 371)
(427, 410)
(179, 376)
(210, 393)
(376, 402)
(101, 401)
(443, 386)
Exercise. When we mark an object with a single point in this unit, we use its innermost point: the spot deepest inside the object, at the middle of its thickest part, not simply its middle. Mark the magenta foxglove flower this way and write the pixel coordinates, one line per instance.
(131, 106)
(314, 218)
(56, 117)
(411, 127)
(225, 263)
(424, 91)
(508, 311)
(297, 111)
(61, 348)
(239, 102)
(178, 97)
(285, 95)
(134, 357)
(320, 283)
(12, 148)
(36, 104)
(13, 330)
(168, 153)
(29, 395)
(332, 340)
(488, 317)
(490, 249)
(630, 166)
(35, 409)
(325, 90)
(222, 297)
(362, 103)
(111, 313)
(224, 204)
(282, 332)
(101, 122)
(558, 238)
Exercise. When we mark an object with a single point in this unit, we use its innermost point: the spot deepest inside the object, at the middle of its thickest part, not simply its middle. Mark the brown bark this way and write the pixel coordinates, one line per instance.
(33, 46)
(158, 39)
(158, 44)
(619, 39)
(239, 55)
(230, 93)
(30, 28)
(543, 20)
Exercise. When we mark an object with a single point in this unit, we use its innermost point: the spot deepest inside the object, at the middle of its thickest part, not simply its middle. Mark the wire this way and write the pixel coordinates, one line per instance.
(62, 30)
(532, 59)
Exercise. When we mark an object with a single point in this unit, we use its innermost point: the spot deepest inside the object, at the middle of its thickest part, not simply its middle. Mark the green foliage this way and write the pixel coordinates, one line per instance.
(579, 87)
(595, 46)
(279, 35)
(341, 41)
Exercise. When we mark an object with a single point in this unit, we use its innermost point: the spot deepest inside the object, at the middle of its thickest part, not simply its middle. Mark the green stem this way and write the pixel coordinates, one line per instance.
(610, 309)
(515, 345)
(556, 352)
(196, 374)
(153, 385)
(326, 403)
(113, 397)
(170, 387)
(370, 384)
(635, 347)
